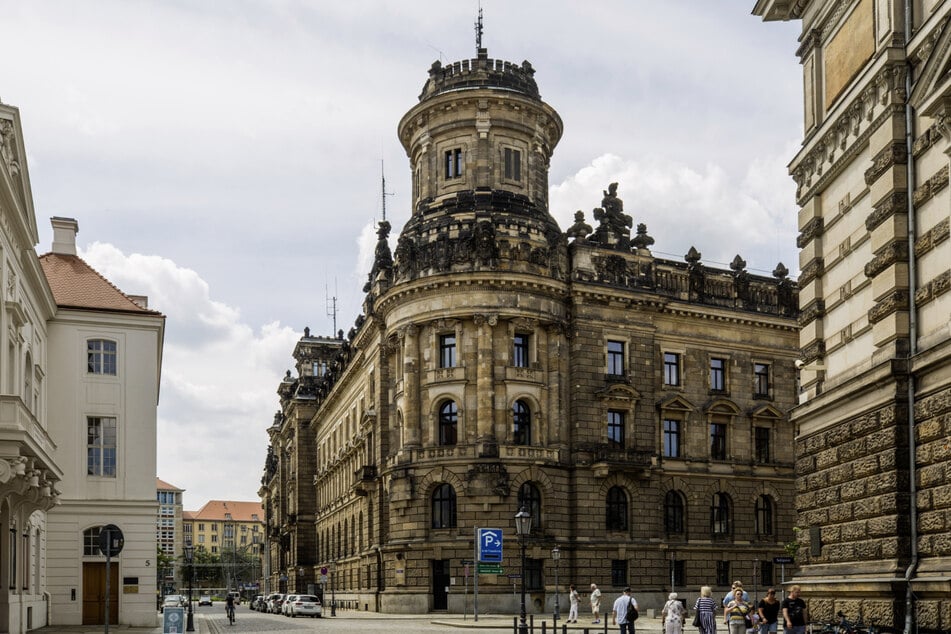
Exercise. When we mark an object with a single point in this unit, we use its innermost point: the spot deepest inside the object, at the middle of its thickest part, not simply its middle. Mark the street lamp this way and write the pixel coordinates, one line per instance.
(523, 526)
(333, 597)
(556, 557)
(189, 557)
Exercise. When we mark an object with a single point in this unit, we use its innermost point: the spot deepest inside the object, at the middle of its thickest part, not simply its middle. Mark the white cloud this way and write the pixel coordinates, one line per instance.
(219, 377)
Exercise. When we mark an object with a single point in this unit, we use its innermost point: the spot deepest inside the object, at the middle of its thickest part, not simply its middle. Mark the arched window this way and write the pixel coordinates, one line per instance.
(530, 498)
(91, 541)
(448, 423)
(616, 510)
(522, 424)
(764, 515)
(674, 513)
(720, 514)
(444, 507)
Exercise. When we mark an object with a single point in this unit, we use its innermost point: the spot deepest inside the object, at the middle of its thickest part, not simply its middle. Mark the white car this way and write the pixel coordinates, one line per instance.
(274, 602)
(303, 605)
(288, 601)
(205, 599)
(172, 601)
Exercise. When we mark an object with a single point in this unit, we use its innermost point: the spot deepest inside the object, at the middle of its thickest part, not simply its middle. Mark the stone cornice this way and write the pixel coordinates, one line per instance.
(813, 269)
(928, 189)
(811, 312)
(840, 140)
(809, 232)
(929, 290)
(888, 157)
(931, 238)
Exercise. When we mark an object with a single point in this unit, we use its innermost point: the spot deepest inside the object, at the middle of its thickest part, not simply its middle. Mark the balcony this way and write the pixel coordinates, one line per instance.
(365, 476)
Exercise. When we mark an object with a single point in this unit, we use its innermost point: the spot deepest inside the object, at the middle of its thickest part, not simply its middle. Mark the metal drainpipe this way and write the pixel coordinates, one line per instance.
(912, 329)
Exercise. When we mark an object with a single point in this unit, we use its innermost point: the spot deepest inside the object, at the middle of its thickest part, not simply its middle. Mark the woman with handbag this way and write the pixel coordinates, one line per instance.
(673, 614)
(705, 608)
(737, 613)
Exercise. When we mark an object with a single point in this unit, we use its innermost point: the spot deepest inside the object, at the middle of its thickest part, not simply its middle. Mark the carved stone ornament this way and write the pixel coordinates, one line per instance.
(580, 229)
(8, 147)
(642, 240)
(897, 203)
(810, 231)
(614, 228)
(891, 253)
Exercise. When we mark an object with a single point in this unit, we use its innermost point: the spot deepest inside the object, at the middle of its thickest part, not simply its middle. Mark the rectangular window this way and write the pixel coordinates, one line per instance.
(616, 358)
(201, 539)
(760, 379)
(671, 438)
(520, 351)
(619, 573)
(533, 575)
(718, 375)
(718, 441)
(214, 539)
(513, 164)
(616, 428)
(671, 368)
(766, 573)
(320, 368)
(677, 576)
(101, 446)
(447, 351)
(454, 163)
(723, 573)
(761, 442)
(101, 357)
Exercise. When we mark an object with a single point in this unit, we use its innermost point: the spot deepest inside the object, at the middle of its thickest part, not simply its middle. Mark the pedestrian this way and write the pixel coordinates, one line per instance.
(795, 613)
(768, 609)
(737, 613)
(729, 595)
(623, 612)
(595, 599)
(573, 599)
(673, 614)
(706, 608)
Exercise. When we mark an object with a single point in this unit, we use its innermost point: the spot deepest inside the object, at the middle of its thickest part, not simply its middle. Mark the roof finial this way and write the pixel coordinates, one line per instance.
(478, 30)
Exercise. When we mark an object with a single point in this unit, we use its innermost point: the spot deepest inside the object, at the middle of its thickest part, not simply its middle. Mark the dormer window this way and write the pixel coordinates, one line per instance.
(454, 163)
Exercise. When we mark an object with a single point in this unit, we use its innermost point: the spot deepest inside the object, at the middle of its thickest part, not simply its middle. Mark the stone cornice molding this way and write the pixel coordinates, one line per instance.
(931, 238)
(896, 203)
(844, 137)
(891, 253)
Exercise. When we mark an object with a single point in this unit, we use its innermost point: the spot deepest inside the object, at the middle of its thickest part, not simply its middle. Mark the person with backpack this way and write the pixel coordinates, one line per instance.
(625, 612)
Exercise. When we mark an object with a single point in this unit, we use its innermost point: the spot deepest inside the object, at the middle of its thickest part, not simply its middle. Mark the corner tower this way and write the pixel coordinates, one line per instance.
(479, 142)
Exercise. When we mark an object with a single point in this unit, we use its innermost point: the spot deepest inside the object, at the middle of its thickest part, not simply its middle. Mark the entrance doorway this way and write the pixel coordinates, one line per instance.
(94, 593)
(440, 584)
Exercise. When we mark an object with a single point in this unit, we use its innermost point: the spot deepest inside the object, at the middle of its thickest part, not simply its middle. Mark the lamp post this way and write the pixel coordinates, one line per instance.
(523, 526)
(189, 557)
(333, 597)
(556, 557)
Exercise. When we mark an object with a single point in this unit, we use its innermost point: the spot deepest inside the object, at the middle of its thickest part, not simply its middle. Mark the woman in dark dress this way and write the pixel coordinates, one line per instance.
(768, 613)
(706, 609)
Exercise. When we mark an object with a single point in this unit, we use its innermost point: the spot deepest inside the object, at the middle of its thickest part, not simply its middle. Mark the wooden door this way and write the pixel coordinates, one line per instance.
(94, 593)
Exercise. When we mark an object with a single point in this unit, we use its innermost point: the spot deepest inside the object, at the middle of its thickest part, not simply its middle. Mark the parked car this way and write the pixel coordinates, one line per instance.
(274, 603)
(303, 605)
(172, 601)
(288, 602)
(204, 599)
(256, 601)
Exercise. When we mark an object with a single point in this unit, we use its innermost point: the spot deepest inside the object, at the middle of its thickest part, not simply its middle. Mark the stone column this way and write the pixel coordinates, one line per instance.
(411, 370)
(485, 386)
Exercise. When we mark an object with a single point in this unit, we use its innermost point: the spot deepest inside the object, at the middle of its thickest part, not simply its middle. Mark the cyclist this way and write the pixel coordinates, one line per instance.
(229, 607)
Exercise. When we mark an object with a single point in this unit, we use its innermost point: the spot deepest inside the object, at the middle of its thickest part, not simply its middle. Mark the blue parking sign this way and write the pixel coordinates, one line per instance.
(490, 545)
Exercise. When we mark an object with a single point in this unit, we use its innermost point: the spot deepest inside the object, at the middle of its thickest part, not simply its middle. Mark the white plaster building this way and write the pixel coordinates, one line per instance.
(106, 357)
(29, 472)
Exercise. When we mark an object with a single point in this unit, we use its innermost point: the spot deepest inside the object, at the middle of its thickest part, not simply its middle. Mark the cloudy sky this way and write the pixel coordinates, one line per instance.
(224, 158)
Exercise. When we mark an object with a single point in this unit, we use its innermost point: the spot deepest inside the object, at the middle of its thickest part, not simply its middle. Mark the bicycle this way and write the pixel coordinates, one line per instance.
(230, 610)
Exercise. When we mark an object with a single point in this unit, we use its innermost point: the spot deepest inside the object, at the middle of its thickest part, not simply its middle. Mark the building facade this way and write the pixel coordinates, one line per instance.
(169, 533)
(106, 361)
(30, 472)
(233, 532)
(637, 407)
(873, 460)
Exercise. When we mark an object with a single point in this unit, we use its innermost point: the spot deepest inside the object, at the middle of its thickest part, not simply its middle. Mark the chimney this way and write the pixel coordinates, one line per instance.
(64, 235)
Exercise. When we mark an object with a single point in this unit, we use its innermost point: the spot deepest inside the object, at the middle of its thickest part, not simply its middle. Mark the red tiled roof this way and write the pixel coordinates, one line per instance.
(162, 485)
(215, 510)
(75, 284)
(188, 515)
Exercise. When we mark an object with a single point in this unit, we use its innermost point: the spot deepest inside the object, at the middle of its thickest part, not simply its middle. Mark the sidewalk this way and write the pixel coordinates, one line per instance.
(488, 621)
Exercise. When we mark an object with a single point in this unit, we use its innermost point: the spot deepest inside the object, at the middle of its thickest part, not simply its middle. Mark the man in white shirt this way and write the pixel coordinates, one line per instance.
(622, 614)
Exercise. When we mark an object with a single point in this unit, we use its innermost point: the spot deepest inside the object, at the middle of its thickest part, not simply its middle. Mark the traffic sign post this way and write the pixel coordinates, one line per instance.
(782, 561)
(111, 542)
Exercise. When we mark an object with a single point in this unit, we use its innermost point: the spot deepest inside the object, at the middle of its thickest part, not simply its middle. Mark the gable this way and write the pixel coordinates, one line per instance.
(932, 91)
(16, 197)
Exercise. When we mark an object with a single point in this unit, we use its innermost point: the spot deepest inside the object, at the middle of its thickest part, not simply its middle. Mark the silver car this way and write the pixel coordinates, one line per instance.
(274, 602)
(303, 605)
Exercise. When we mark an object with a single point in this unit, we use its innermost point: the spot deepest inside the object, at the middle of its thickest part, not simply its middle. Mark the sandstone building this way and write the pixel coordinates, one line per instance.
(637, 407)
(873, 459)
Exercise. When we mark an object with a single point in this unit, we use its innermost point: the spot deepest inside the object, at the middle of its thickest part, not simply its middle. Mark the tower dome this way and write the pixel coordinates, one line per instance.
(479, 143)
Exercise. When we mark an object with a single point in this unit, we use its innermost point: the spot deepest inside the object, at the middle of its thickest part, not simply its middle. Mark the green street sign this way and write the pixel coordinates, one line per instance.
(490, 569)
